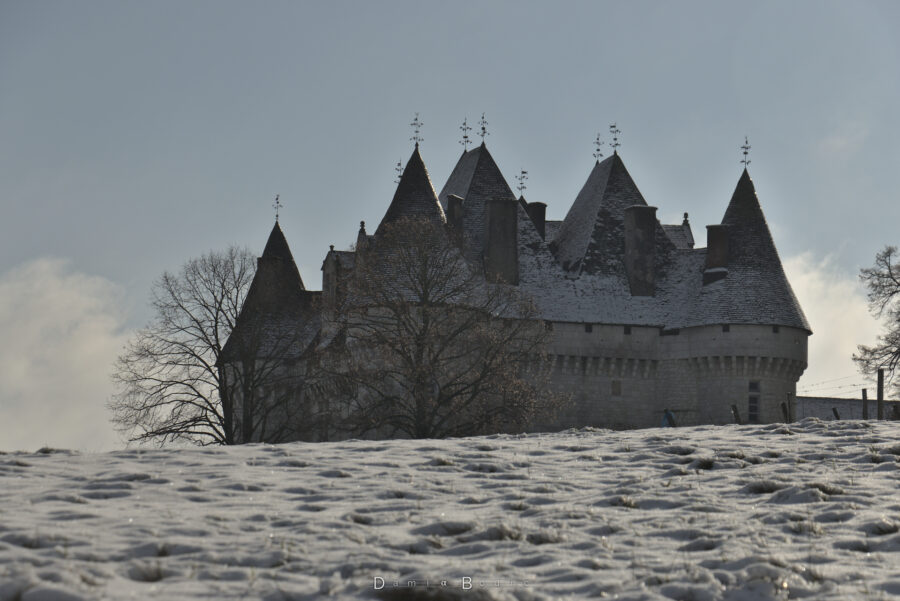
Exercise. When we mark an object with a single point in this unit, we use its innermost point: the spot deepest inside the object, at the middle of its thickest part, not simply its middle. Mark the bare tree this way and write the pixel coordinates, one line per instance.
(883, 283)
(170, 379)
(429, 349)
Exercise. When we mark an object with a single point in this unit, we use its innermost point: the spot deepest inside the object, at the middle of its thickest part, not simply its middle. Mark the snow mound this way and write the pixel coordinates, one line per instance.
(707, 513)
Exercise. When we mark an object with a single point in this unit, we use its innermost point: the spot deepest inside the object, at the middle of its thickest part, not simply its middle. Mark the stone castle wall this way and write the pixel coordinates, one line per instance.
(625, 377)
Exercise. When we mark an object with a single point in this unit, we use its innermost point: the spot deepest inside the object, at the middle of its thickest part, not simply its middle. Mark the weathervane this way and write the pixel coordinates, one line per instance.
(597, 144)
(399, 169)
(522, 177)
(484, 132)
(615, 131)
(277, 206)
(746, 149)
(417, 127)
(465, 129)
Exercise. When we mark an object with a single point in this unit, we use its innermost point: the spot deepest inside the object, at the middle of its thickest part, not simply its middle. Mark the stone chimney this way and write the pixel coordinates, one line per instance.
(455, 216)
(538, 213)
(501, 252)
(716, 266)
(640, 249)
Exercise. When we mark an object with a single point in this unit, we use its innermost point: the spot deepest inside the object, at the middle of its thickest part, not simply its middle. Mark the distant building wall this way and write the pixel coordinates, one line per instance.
(821, 407)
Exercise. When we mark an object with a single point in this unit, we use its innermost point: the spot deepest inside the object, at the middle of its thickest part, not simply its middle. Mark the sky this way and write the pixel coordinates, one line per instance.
(137, 135)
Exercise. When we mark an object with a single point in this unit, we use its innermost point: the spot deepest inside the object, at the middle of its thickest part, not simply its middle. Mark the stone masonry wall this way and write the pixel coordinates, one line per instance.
(625, 377)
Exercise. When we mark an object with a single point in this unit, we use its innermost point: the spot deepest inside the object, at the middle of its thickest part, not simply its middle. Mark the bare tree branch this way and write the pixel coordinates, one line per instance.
(883, 284)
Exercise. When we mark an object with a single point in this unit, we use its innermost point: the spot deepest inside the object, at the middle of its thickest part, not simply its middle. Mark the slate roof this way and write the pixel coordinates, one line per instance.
(680, 235)
(476, 179)
(592, 236)
(755, 291)
(589, 242)
(415, 195)
(278, 311)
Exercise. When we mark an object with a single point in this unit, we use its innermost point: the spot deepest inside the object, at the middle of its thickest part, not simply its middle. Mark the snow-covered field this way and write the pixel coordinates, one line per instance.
(734, 512)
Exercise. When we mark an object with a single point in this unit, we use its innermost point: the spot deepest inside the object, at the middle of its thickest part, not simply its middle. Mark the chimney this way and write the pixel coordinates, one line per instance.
(640, 249)
(455, 215)
(538, 213)
(501, 253)
(716, 253)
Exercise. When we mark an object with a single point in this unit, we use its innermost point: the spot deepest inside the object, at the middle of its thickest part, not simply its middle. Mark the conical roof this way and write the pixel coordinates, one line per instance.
(591, 238)
(750, 241)
(277, 246)
(755, 289)
(415, 197)
(278, 316)
(277, 287)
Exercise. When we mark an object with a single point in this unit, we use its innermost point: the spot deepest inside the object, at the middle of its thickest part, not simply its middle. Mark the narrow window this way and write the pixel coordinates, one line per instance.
(775, 329)
(726, 328)
(627, 330)
(753, 403)
(616, 388)
(588, 327)
(548, 325)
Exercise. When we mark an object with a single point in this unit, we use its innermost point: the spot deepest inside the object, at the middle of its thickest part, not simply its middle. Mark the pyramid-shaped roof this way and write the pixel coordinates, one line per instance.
(591, 238)
(476, 179)
(415, 197)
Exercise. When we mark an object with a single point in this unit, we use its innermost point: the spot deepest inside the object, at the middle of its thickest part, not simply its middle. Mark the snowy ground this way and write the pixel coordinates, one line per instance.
(734, 512)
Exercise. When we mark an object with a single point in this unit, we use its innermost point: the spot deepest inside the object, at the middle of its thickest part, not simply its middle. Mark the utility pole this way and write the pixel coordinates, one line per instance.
(865, 403)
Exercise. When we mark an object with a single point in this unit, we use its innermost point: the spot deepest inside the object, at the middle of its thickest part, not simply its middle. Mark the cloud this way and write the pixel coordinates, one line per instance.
(836, 308)
(61, 332)
(848, 138)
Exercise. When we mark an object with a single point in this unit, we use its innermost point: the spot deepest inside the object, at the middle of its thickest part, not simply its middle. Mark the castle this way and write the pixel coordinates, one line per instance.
(641, 320)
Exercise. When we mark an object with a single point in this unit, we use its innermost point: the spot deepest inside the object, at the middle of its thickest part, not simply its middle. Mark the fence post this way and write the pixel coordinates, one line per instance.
(880, 393)
(865, 403)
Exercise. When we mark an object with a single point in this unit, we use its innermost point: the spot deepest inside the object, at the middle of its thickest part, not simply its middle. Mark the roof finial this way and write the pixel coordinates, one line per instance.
(746, 149)
(597, 144)
(399, 169)
(277, 206)
(484, 132)
(615, 131)
(522, 177)
(417, 127)
(465, 129)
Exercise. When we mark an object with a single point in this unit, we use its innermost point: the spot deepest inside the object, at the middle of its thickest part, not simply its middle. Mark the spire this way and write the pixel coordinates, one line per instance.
(415, 195)
(277, 246)
(749, 238)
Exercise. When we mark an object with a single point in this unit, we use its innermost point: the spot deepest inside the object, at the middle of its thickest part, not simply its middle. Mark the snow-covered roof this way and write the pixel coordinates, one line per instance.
(595, 288)
(578, 273)
(680, 235)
